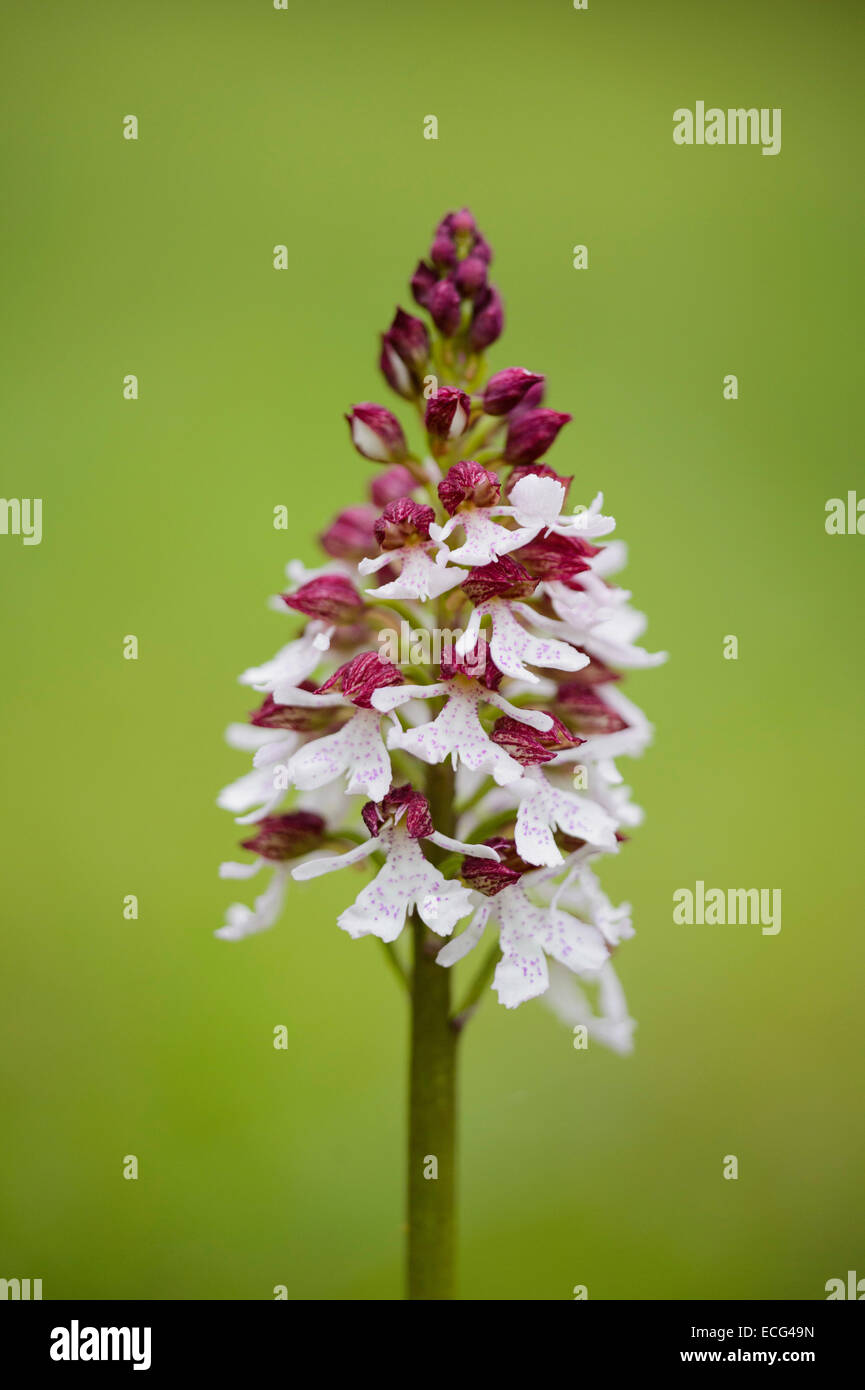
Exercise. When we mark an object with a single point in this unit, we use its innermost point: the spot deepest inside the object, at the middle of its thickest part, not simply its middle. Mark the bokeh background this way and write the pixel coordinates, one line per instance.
(261, 1167)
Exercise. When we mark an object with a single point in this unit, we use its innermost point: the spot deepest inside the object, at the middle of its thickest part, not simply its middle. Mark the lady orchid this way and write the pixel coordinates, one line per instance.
(477, 785)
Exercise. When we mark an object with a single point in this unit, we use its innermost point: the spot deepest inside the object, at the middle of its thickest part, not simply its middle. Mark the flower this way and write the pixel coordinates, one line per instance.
(536, 507)
(277, 840)
(457, 732)
(475, 773)
(407, 880)
(494, 590)
(403, 532)
(356, 749)
(292, 663)
(528, 934)
(611, 1025)
(545, 808)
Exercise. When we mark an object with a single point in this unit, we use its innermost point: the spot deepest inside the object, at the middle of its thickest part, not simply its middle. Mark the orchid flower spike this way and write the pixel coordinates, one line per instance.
(445, 711)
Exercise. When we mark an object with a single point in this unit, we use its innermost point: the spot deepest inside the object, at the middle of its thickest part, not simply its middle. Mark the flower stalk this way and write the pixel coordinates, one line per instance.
(472, 774)
(432, 1127)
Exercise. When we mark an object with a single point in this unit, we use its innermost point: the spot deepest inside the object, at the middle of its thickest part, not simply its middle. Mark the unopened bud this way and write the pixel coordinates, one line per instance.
(487, 321)
(376, 433)
(444, 306)
(532, 434)
(504, 391)
(447, 413)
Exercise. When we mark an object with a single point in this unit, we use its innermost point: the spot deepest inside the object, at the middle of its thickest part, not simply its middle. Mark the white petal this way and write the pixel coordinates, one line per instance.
(544, 807)
(310, 699)
(243, 921)
(522, 973)
(612, 1027)
(485, 539)
(371, 566)
(248, 738)
(457, 731)
(278, 751)
(249, 790)
(389, 697)
(444, 903)
(535, 718)
(460, 847)
(232, 870)
(314, 868)
(420, 578)
(511, 646)
(537, 500)
(588, 522)
(460, 946)
(356, 749)
(291, 665)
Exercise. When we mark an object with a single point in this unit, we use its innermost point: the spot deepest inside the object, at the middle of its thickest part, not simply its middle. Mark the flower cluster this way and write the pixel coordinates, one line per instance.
(481, 792)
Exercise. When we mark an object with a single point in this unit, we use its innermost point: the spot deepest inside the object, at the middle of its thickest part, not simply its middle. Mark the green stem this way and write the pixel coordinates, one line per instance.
(396, 964)
(480, 982)
(432, 1095)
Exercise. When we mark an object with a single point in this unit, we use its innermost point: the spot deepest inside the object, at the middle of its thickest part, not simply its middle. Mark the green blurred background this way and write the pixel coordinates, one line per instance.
(304, 127)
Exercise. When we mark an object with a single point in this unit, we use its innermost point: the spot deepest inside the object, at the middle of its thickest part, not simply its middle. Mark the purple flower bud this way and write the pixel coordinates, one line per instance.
(350, 535)
(469, 665)
(556, 557)
(443, 252)
(444, 307)
(470, 276)
(332, 598)
(583, 707)
(404, 354)
(463, 222)
(301, 719)
(447, 413)
(361, 676)
(467, 481)
(528, 746)
(409, 805)
(422, 282)
(596, 673)
(504, 391)
(532, 434)
(487, 321)
(401, 522)
(376, 433)
(287, 836)
(530, 401)
(504, 578)
(390, 485)
(489, 877)
(482, 249)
